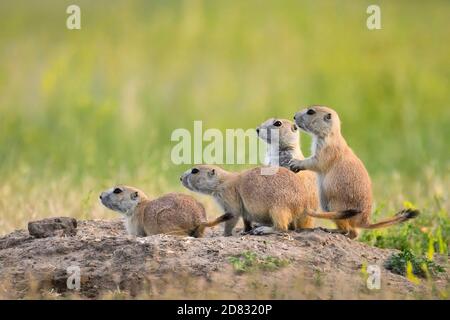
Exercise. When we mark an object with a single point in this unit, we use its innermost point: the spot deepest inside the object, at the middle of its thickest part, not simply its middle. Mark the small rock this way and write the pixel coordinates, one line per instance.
(52, 227)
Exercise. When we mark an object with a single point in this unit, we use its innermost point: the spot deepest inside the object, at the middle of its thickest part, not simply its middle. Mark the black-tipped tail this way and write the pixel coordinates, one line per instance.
(402, 216)
(200, 229)
(335, 215)
(346, 214)
(407, 214)
(225, 217)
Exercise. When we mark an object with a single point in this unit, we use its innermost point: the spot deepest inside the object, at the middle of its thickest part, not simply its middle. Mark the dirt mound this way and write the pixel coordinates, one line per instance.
(307, 264)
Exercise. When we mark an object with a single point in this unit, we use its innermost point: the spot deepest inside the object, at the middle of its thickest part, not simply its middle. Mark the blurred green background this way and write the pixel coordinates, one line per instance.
(83, 109)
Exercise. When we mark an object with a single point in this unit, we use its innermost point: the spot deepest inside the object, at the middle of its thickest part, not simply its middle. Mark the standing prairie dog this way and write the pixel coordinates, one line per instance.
(344, 183)
(173, 213)
(278, 199)
(281, 152)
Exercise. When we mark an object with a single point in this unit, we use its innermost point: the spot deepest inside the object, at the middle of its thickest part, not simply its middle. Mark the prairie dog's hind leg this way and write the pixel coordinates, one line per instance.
(281, 219)
(247, 221)
(304, 222)
(247, 225)
(230, 224)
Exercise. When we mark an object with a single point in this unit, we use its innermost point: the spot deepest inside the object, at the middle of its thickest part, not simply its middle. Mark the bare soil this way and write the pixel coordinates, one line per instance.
(112, 264)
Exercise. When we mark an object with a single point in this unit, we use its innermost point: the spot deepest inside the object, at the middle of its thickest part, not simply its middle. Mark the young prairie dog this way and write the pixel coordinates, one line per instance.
(173, 213)
(279, 199)
(281, 152)
(287, 146)
(344, 183)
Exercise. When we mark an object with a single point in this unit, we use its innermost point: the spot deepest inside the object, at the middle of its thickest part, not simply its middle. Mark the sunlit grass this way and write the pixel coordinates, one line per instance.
(107, 97)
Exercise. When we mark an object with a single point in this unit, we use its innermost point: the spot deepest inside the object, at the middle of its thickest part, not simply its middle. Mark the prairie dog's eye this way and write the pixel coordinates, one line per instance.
(195, 170)
(117, 190)
(310, 112)
(277, 123)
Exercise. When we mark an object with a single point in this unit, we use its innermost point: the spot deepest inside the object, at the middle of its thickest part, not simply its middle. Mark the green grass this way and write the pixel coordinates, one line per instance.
(421, 266)
(83, 110)
(249, 261)
(104, 100)
(426, 235)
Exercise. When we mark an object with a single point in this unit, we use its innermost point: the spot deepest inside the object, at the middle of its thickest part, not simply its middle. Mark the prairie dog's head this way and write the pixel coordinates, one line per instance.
(319, 121)
(288, 134)
(203, 178)
(122, 199)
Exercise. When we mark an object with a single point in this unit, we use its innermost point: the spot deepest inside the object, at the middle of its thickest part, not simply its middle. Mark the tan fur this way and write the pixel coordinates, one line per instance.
(279, 200)
(344, 184)
(173, 213)
(287, 147)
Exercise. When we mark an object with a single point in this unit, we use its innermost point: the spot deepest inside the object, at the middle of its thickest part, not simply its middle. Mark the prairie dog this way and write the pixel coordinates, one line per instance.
(344, 183)
(279, 199)
(287, 148)
(280, 152)
(173, 213)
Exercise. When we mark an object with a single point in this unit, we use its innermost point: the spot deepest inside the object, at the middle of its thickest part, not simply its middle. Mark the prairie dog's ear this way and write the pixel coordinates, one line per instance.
(327, 117)
(212, 172)
(294, 127)
(134, 195)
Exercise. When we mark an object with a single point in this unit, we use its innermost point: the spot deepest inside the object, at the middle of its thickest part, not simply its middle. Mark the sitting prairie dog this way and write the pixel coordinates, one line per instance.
(344, 183)
(279, 199)
(287, 148)
(173, 213)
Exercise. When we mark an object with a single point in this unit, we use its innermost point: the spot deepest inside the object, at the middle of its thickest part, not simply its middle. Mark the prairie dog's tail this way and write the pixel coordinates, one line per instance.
(334, 215)
(200, 229)
(400, 217)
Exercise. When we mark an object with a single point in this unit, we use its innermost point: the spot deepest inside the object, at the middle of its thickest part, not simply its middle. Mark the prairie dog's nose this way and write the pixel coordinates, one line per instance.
(184, 175)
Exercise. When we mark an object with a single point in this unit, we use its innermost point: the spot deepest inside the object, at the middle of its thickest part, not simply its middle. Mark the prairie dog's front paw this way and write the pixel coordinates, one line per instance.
(295, 165)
